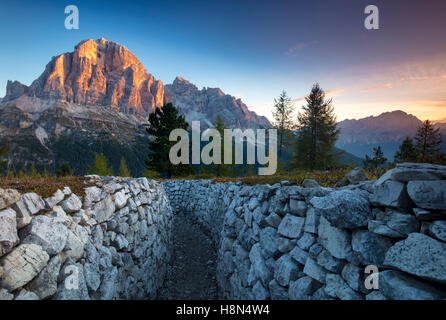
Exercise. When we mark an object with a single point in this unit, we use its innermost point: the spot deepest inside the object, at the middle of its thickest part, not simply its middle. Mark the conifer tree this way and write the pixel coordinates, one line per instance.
(100, 166)
(377, 160)
(123, 169)
(283, 121)
(163, 121)
(317, 133)
(428, 142)
(406, 151)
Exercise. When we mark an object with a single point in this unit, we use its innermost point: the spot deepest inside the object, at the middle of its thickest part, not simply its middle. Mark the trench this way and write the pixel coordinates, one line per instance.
(191, 273)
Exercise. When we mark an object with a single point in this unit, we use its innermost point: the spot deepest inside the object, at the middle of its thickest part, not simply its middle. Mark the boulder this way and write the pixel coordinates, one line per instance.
(345, 209)
(298, 207)
(390, 194)
(33, 202)
(55, 199)
(315, 271)
(120, 199)
(273, 220)
(268, 242)
(438, 230)
(26, 295)
(286, 270)
(103, 210)
(306, 241)
(336, 241)
(393, 224)
(330, 263)
(406, 172)
(285, 245)
(291, 226)
(302, 288)
(93, 195)
(71, 204)
(277, 291)
(371, 247)
(8, 231)
(399, 286)
(428, 194)
(352, 275)
(258, 264)
(8, 197)
(22, 264)
(336, 287)
(311, 221)
(72, 282)
(419, 255)
(45, 284)
(299, 255)
(22, 213)
(47, 233)
(356, 175)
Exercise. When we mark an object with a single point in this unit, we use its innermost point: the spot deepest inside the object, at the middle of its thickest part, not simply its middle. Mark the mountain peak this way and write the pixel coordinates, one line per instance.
(97, 73)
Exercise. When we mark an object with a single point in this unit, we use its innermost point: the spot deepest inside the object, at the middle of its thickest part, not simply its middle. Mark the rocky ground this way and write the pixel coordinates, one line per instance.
(191, 272)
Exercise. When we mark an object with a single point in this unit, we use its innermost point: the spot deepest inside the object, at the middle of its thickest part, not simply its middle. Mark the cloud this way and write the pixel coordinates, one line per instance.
(383, 86)
(298, 47)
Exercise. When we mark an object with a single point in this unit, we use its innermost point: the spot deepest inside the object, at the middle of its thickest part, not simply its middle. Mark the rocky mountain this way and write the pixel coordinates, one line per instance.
(208, 103)
(97, 99)
(97, 73)
(387, 130)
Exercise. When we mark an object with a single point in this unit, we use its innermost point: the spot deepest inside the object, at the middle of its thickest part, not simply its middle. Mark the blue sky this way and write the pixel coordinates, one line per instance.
(254, 49)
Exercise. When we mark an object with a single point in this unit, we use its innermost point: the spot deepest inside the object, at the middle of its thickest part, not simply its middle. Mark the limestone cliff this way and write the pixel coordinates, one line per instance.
(98, 72)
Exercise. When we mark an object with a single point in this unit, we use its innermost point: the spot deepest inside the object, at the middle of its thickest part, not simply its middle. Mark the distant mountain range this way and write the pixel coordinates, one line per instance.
(387, 130)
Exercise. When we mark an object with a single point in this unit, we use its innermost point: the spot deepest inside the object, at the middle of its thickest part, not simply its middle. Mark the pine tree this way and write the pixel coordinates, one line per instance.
(428, 142)
(283, 120)
(100, 166)
(377, 160)
(162, 122)
(406, 151)
(317, 133)
(64, 170)
(123, 170)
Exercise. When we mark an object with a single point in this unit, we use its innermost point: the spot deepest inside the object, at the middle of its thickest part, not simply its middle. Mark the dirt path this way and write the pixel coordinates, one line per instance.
(191, 273)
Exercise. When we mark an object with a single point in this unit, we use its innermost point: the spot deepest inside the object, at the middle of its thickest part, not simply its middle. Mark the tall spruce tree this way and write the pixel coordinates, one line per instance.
(317, 133)
(162, 122)
(283, 120)
(406, 151)
(428, 142)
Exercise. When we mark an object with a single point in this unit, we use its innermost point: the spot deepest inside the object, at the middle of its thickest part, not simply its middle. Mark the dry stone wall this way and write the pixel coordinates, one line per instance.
(291, 242)
(112, 244)
(273, 241)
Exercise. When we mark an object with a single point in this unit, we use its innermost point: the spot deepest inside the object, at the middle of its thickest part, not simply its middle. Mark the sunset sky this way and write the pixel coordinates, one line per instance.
(254, 49)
